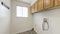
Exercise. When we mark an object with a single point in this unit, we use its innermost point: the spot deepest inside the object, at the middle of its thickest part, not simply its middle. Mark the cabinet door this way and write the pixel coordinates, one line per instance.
(57, 2)
(35, 6)
(32, 9)
(40, 5)
(48, 4)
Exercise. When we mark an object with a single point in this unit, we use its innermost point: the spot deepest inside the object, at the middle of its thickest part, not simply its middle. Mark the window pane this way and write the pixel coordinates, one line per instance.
(25, 12)
(19, 11)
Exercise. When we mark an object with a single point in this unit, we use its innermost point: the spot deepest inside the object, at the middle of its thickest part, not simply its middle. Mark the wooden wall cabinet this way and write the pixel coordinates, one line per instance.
(48, 4)
(35, 5)
(32, 9)
(40, 5)
(44, 4)
(57, 2)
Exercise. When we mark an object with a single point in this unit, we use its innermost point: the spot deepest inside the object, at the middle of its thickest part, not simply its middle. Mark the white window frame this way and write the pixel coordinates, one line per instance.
(22, 10)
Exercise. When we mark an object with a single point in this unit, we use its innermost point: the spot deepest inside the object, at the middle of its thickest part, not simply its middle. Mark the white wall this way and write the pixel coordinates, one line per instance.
(28, 1)
(4, 18)
(53, 17)
(20, 24)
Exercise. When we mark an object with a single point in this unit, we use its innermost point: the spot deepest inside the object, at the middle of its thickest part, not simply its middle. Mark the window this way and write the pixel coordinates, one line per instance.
(21, 11)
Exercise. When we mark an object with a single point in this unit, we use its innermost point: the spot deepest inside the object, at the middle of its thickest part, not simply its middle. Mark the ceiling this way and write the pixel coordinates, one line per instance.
(28, 1)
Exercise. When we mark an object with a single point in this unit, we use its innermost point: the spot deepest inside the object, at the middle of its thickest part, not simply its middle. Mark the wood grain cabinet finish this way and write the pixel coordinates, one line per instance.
(48, 4)
(35, 5)
(32, 9)
(40, 5)
(57, 2)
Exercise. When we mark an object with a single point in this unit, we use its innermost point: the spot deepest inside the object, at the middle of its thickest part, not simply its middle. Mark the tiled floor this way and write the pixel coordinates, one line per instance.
(29, 32)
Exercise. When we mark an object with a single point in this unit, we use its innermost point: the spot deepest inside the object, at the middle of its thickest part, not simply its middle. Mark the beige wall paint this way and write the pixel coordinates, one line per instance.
(53, 17)
(20, 24)
(4, 18)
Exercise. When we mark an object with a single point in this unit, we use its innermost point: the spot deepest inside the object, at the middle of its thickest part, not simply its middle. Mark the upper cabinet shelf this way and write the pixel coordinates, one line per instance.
(44, 5)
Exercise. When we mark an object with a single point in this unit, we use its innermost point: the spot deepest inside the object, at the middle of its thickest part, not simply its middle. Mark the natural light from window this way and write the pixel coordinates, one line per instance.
(21, 11)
